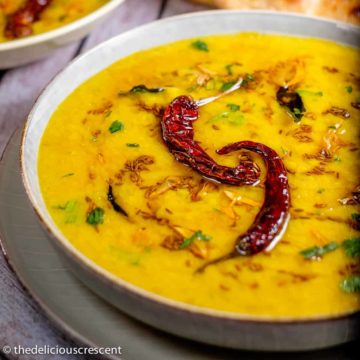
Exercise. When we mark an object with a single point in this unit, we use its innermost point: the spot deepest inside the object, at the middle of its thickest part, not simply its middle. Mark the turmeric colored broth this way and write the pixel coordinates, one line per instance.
(101, 134)
(57, 14)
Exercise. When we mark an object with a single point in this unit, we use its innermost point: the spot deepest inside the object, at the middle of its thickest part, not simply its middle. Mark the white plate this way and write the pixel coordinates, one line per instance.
(241, 331)
(22, 51)
(78, 311)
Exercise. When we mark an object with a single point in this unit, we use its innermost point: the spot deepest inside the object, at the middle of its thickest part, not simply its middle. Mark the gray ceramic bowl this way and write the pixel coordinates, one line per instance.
(19, 52)
(231, 330)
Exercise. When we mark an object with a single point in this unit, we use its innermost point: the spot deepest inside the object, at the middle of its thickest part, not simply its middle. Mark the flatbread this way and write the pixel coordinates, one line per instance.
(344, 10)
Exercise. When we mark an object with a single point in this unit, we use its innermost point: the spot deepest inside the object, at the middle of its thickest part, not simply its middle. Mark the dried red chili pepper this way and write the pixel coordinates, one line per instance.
(273, 217)
(19, 23)
(178, 134)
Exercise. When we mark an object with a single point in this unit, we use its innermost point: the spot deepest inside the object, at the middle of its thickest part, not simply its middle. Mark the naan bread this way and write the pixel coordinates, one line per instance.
(344, 10)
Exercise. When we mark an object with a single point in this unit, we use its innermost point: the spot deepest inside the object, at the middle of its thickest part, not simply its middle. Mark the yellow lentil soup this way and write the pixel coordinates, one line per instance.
(106, 136)
(55, 15)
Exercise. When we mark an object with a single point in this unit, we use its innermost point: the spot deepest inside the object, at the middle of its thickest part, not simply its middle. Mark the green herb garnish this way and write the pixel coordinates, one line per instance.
(229, 69)
(233, 107)
(237, 120)
(226, 86)
(140, 89)
(200, 45)
(68, 206)
(96, 216)
(332, 127)
(318, 251)
(249, 77)
(133, 145)
(108, 113)
(116, 126)
(218, 117)
(351, 284)
(321, 190)
(198, 235)
(68, 175)
(352, 247)
(356, 217)
(349, 89)
(71, 219)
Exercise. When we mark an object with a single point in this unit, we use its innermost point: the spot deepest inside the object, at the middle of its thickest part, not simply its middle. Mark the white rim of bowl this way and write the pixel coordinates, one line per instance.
(117, 282)
(62, 30)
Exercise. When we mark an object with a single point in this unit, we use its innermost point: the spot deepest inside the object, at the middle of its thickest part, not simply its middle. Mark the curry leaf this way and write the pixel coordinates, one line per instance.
(292, 101)
(145, 89)
(140, 89)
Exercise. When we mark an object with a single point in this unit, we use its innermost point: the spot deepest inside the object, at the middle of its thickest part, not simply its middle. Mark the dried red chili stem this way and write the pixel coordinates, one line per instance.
(273, 217)
(19, 23)
(178, 134)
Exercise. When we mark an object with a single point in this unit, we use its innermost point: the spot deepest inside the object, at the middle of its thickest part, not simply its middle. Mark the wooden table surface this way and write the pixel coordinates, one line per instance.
(22, 322)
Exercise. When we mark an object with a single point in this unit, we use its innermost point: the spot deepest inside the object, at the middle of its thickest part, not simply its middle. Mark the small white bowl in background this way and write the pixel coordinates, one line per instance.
(26, 50)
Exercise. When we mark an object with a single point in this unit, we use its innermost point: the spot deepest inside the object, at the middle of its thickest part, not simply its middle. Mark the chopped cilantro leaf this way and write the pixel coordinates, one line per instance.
(233, 107)
(68, 206)
(351, 284)
(227, 85)
(249, 77)
(356, 217)
(95, 217)
(116, 126)
(318, 251)
(200, 45)
(198, 235)
(352, 247)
